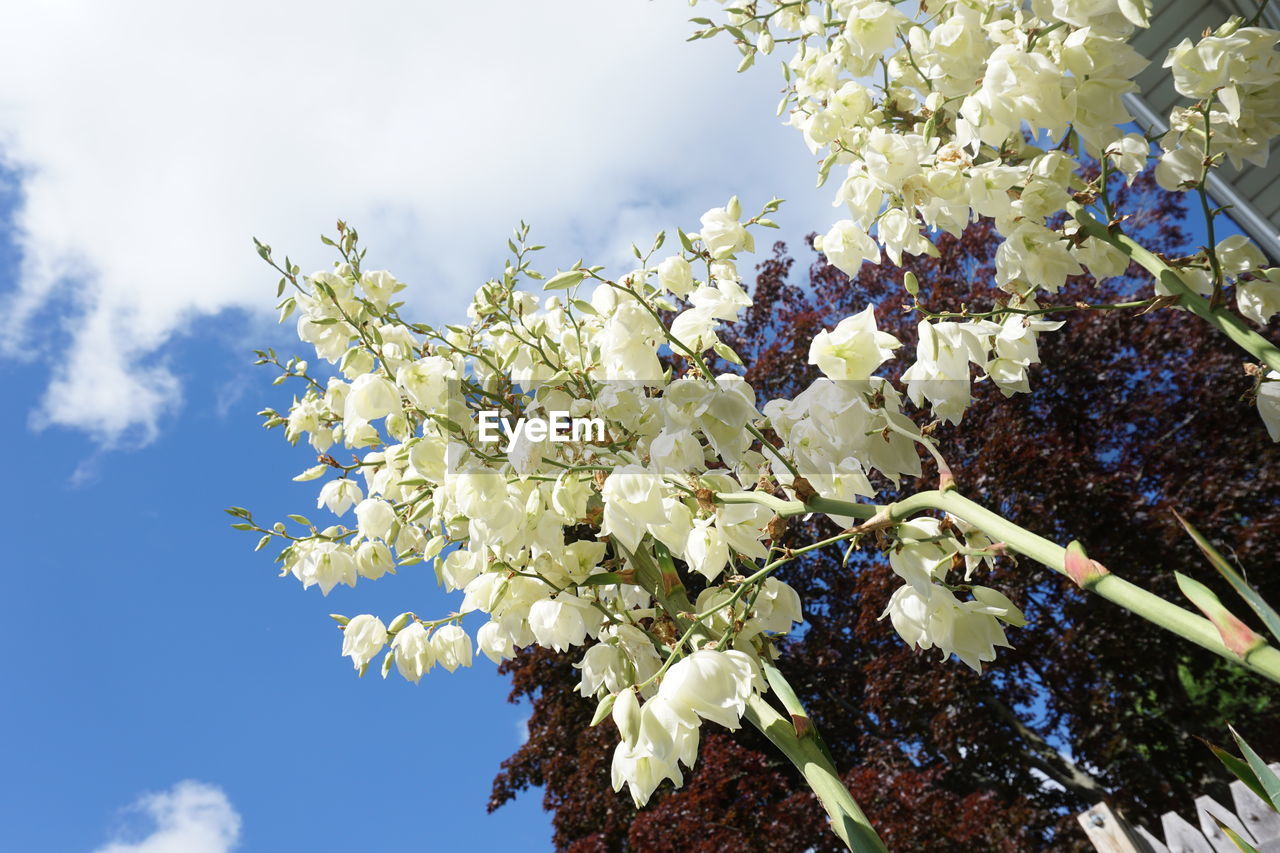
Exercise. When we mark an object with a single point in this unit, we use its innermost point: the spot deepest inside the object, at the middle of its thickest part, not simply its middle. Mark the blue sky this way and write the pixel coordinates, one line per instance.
(156, 648)
(150, 645)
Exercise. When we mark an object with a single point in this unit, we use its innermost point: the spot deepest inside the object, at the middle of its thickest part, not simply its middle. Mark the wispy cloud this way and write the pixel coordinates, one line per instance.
(191, 817)
(157, 138)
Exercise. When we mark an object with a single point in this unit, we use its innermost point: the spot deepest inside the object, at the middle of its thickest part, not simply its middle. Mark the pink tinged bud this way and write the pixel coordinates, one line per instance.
(1238, 637)
(1083, 571)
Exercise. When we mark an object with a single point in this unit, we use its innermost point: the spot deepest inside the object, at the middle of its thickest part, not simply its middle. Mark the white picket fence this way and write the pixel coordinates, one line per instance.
(1249, 816)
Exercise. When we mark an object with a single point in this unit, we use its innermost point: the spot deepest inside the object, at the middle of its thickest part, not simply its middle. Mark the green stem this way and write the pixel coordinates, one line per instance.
(806, 753)
(1265, 660)
(1229, 324)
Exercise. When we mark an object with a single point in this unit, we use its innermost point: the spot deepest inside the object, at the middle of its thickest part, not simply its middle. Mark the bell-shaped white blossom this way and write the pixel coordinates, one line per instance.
(362, 638)
(375, 518)
(414, 653)
(714, 685)
(452, 647)
(338, 496)
(854, 349)
(371, 396)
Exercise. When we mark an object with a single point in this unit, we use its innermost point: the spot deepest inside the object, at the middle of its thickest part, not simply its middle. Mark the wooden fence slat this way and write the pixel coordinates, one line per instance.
(1107, 831)
(1263, 823)
(1251, 817)
(1207, 808)
(1156, 845)
(1181, 836)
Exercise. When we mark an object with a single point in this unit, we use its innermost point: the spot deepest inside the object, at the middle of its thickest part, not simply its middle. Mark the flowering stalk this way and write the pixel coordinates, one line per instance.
(1225, 321)
(1262, 659)
(799, 741)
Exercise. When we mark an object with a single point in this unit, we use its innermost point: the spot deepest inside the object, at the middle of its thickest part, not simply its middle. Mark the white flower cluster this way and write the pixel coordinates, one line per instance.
(932, 115)
(562, 543)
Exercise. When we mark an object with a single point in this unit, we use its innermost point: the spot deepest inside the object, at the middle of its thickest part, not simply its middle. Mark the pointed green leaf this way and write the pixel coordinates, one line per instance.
(1239, 769)
(1235, 837)
(602, 579)
(1266, 776)
(1265, 611)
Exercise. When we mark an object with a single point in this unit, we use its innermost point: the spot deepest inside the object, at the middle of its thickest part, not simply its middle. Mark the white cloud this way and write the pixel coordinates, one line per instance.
(192, 817)
(152, 139)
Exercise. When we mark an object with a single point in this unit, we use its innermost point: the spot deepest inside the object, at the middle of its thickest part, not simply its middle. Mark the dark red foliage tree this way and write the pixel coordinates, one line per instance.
(1132, 416)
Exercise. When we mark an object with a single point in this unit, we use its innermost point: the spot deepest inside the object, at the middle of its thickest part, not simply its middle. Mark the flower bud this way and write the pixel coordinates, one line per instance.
(626, 715)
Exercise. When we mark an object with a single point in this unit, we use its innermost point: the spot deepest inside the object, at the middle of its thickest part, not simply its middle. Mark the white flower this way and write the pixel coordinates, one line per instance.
(777, 607)
(854, 349)
(1129, 154)
(1269, 403)
(373, 560)
(920, 557)
(362, 638)
(495, 642)
(1035, 255)
(339, 496)
(935, 618)
(706, 550)
(723, 234)
(1179, 168)
(426, 383)
(326, 564)
(675, 275)
(667, 737)
(375, 518)
(379, 286)
(626, 715)
(941, 371)
(632, 501)
(1238, 254)
(1259, 298)
(642, 772)
(847, 245)
(371, 396)
(899, 233)
(559, 622)
(714, 685)
(696, 329)
(413, 652)
(452, 647)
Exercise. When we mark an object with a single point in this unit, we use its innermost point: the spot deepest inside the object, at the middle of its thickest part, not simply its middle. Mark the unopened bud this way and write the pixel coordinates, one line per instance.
(626, 715)
(911, 283)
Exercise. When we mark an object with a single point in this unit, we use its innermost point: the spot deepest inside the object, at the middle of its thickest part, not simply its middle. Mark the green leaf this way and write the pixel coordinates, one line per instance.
(684, 240)
(1265, 611)
(1235, 837)
(564, 280)
(1266, 776)
(1239, 769)
(601, 579)
(301, 519)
